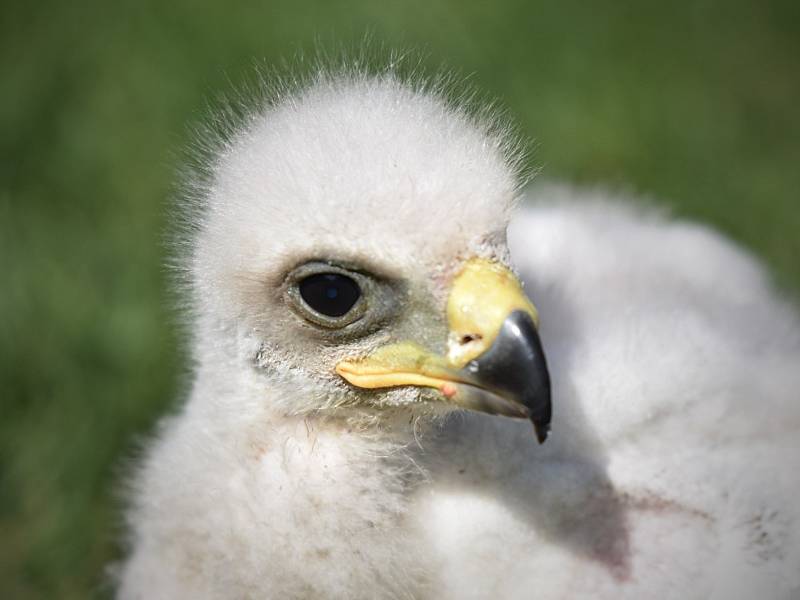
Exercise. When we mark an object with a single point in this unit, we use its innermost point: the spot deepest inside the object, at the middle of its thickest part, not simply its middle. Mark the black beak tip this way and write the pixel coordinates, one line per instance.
(516, 365)
(536, 386)
(542, 431)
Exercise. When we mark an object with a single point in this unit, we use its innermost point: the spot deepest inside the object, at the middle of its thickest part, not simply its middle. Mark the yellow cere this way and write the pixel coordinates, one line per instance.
(484, 293)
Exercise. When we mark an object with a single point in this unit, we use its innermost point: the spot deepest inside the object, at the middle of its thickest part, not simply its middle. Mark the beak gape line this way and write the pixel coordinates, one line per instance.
(496, 363)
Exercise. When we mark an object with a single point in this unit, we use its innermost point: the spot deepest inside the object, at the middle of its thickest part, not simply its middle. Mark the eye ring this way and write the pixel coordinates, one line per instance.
(308, 288)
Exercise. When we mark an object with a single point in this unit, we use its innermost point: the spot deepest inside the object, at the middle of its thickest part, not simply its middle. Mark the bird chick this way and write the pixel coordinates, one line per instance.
(355, 285)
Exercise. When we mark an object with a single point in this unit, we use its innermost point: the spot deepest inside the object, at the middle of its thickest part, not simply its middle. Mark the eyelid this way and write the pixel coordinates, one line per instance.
(316, 267)
(370, 269)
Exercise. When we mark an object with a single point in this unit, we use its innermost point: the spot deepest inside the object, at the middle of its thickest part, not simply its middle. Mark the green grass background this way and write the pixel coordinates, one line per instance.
(697, 104)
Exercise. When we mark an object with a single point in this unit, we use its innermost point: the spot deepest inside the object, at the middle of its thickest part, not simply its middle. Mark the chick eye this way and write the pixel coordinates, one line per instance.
(330, 294)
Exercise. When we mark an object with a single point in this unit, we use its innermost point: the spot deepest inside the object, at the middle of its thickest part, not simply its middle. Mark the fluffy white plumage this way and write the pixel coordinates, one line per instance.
(672, 469)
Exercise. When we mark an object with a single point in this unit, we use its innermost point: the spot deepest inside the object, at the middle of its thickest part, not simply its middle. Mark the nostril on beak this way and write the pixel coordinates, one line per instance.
(470, 337)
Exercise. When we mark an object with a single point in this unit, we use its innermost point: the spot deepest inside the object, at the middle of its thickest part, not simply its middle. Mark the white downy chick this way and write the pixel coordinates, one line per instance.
(351, 294)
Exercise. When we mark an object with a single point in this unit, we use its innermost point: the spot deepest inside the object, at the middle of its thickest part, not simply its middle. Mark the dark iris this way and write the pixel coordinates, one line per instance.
(330, 294)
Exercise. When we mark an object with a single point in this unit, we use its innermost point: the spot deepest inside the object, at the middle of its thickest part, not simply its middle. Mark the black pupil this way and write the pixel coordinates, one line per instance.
(330, 294)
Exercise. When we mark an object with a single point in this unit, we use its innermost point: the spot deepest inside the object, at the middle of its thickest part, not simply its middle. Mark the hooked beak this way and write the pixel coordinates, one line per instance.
(495, 362)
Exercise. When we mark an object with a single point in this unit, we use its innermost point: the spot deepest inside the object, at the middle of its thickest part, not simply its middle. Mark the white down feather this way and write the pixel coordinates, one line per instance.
(672, 469)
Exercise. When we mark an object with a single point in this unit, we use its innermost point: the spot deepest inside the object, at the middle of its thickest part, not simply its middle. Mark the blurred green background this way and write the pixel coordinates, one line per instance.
(697, 104)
